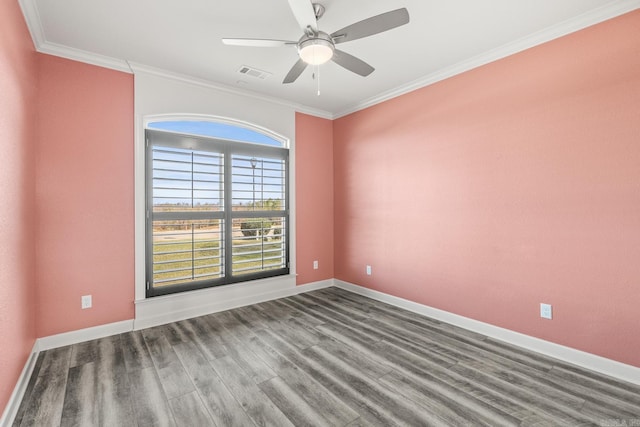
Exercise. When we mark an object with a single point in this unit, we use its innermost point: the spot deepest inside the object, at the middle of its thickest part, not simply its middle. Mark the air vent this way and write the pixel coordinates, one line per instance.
(253, 72)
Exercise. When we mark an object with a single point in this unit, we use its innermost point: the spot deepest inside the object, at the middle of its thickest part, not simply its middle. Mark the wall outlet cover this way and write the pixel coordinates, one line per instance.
(546, 311)
(86, 301)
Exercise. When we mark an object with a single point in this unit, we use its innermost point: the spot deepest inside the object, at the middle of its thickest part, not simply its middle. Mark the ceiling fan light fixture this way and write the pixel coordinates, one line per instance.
(316, 50)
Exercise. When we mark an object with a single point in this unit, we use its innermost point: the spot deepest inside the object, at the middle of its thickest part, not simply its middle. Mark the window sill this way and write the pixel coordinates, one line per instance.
(170, 308)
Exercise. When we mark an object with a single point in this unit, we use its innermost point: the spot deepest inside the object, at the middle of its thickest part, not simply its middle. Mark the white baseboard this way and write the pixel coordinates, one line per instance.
(213, 302)
(81, 335)
(264, 291)
(176, 307)
(13, 404)
(172, 308)
(583, 359)
(162, 310)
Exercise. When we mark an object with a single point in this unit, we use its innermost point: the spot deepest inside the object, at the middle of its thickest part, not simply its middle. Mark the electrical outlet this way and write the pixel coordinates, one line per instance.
(315, 265)
(86, 301)
(368, 270)
(545, 311)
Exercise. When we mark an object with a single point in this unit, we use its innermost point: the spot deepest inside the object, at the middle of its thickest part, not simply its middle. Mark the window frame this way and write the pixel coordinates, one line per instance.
(228, 149)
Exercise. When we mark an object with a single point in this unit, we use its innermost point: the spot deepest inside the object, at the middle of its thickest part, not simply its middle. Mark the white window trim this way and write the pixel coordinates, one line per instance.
(265, 287)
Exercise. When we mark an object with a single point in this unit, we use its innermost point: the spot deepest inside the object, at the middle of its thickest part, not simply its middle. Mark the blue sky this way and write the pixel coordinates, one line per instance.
(263, 183)
(216, 130)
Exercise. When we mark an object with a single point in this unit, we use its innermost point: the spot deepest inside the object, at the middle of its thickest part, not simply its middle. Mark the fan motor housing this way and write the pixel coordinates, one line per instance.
(316, 49)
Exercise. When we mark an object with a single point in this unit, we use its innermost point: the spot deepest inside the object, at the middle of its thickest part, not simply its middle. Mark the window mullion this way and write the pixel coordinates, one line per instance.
(228, 217)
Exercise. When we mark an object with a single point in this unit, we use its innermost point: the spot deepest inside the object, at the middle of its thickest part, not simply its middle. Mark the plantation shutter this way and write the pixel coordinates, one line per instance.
(217, 212)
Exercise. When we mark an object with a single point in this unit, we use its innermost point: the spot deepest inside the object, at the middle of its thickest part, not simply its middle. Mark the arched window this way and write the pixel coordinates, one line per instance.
(217, 205)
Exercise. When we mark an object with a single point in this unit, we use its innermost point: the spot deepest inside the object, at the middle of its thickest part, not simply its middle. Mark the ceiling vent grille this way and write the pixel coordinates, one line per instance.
(253, 72)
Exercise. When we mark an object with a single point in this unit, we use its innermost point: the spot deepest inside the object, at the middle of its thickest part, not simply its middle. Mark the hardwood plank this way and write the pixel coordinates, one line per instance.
(44, 407)
(113, 396)
(379, 309)
(601, 383)
(208, 343)
(315, 394)
(304, 308)
(291, 404)
(136, 353)
(298, 313)
(526, 382)
(461, 402)
(175, 380)
(149, 401)
(364, 333)
(84, 352)
(233, 323)
(257, 405)
(45, 404)
(222, 406)
(235, 346)
(249, 318)
(264, 310)
(461, 347)
(159, 347)
(79, 408)
(598, 412)
(553, 409)
(175, 332)
(403, 410)
(356, 359)
(251, 364)
(364, 342)
(596, 401)
(341, 309)
(297, 336)
(428, 375)
(30, 386)
(262, 319)
(447, 411)
(345, 307)
(55, 361)
(332, 381)
(283, 311)
(188, 410)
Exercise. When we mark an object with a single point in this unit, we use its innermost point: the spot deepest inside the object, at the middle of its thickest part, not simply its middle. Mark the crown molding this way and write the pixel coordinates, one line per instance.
(32, 18)
(141, 68)
(569, 26)
(34, 23)
(609, 11)
(84, 56)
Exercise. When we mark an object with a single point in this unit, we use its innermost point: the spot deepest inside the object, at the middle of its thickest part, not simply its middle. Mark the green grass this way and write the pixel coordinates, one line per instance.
(188, 259)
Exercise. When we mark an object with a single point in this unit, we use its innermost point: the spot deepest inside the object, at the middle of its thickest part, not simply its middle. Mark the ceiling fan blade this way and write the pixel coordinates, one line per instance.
(370, 26)
(295, 71)
(257, 42)
(352, 63)
(304, 13)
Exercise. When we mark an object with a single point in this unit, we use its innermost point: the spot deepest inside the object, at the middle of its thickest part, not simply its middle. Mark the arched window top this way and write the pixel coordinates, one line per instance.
(215, 129)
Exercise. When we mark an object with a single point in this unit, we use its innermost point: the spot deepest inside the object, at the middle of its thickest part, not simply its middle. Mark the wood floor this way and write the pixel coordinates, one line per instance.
(325, 358)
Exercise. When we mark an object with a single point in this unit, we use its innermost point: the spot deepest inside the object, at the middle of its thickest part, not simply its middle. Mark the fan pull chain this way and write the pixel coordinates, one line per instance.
(316, 76)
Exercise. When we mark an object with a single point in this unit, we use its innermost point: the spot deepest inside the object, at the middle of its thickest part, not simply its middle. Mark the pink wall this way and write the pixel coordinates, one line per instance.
(512, 184)
(18, 80)
(314, 198)
(84, 193)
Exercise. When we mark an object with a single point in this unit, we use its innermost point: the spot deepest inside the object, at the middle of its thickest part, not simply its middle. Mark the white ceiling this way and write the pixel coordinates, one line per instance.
(443, 38)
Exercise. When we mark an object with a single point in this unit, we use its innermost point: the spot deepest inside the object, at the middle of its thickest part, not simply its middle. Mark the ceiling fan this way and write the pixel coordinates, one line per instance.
(316, 47)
